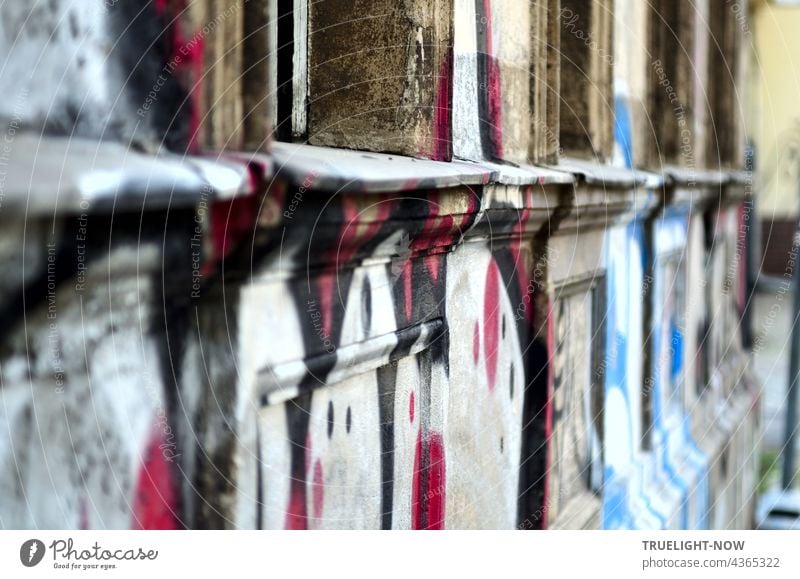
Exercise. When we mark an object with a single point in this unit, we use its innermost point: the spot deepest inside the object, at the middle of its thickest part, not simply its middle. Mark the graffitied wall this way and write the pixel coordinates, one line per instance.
(433, 331)
(83, 391)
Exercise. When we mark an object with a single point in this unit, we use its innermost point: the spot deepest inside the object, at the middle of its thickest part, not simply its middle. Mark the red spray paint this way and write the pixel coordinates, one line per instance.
(156, 498)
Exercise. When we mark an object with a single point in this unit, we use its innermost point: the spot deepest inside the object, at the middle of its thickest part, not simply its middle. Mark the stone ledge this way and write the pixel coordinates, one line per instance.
(48, 176)
(57, 175)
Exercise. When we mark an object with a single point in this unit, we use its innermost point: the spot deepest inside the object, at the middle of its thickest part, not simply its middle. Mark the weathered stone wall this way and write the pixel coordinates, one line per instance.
(434, 330)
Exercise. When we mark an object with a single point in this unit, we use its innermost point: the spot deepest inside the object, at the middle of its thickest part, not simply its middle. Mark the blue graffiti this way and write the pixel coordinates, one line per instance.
(622, 130)
(625, 502)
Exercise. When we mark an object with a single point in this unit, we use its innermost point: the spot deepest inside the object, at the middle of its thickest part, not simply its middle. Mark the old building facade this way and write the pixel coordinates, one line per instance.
(432, 264)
